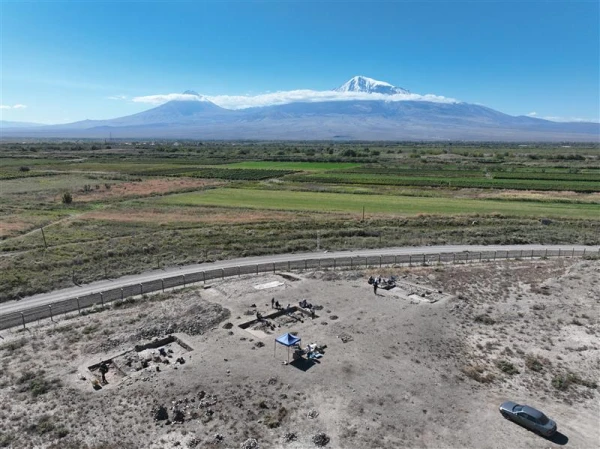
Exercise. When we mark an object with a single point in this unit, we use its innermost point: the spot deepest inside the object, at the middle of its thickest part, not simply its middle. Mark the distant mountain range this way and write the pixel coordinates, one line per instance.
(383, 112)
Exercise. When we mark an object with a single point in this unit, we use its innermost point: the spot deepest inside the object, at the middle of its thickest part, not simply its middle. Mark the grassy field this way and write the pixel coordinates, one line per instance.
(301, 166)
(376, 204)
(137, 206)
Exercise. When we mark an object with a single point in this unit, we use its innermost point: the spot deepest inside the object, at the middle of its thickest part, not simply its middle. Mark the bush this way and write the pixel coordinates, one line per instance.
(564, 381)
(485, 319)
(44, 425)
(35, 383)
(12, 346)
(67, 198)
(507, 367)
(24, 169)
(476, 373)
(534, 363)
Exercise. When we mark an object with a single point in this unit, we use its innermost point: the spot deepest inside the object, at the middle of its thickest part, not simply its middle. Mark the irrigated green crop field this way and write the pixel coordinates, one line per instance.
(376, 204)
(136, 206)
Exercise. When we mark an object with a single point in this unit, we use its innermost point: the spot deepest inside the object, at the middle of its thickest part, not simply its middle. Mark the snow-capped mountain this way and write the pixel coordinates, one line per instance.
(355, 117)
(371, 86)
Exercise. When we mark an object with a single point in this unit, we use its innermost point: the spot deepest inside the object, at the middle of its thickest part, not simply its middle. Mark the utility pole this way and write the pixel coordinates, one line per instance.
(363, 213)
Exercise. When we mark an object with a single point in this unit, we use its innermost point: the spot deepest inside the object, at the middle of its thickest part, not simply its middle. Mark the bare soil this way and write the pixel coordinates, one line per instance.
(146, 187)
(425, 364)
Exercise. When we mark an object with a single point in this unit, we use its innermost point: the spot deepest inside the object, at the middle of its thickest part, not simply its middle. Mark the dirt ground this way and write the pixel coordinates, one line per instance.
(143, 188)
(425, 364)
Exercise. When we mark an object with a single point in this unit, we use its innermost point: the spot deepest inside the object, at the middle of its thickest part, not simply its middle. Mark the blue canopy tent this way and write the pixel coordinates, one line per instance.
(288, 340)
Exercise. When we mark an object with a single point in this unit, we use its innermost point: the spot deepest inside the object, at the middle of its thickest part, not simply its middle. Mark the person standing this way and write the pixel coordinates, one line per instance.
(272, 303)
(375, 287)
(103, 370)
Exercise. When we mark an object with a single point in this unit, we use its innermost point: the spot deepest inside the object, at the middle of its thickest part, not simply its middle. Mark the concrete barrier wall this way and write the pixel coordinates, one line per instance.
(100, 299)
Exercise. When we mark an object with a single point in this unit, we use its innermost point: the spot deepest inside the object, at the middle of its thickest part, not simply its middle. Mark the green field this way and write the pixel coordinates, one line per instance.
(520, 181)
(304, 166)
(375, 204)
(139, 206)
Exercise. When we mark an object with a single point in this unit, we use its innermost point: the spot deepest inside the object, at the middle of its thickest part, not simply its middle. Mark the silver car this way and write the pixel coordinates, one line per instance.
(528, 417)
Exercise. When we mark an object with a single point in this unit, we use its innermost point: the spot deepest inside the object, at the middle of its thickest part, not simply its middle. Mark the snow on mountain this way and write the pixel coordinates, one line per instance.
(361, 109)
(370, 85)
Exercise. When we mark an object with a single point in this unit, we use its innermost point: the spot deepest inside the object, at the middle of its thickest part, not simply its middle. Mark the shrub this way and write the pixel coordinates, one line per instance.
(67, 198)
(563, 382)
(12, 346)
(485, 319)
(534, 363)
(507, 367)
(24, 169)
(43, 426)
(35, 383)
(475, 372)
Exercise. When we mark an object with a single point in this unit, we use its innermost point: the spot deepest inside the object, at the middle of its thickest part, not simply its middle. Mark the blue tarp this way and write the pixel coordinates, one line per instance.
(288, 340)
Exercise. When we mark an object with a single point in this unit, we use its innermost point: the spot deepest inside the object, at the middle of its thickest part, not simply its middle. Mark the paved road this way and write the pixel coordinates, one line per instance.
(59, 295)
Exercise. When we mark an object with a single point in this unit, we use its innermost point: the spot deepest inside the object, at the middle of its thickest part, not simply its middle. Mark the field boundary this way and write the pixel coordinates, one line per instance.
(104, 298)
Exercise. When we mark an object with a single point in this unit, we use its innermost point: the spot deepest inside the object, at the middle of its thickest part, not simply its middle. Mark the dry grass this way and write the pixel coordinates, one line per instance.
(143, 188)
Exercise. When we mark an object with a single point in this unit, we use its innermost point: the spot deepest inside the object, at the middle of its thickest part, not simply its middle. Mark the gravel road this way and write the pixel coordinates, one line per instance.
(59, 295)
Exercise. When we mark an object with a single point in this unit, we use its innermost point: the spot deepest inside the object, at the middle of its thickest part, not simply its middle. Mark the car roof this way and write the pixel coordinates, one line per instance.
(532, 412)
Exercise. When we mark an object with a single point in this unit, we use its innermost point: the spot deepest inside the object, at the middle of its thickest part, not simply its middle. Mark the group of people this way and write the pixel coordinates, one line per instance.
(305, 304)
(387, 283)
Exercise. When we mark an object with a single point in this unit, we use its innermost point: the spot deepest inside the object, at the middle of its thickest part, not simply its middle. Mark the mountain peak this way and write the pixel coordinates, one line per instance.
(191, 92)
(369, 85)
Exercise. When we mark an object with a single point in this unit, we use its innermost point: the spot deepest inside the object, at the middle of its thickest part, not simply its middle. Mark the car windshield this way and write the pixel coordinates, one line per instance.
(517, 408)
(543, 419)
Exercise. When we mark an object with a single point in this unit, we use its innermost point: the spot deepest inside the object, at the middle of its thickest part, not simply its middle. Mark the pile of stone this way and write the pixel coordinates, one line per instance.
(320, 439)
(289, 437)
(345, 337)
(250, 443)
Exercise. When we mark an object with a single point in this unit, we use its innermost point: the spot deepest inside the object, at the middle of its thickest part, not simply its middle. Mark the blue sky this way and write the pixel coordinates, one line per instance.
(72, 60)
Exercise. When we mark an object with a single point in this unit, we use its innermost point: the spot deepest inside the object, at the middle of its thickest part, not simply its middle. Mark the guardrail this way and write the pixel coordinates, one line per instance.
(352, 262)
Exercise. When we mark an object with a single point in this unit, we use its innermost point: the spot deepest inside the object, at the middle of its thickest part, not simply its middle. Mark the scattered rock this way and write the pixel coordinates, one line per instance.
(320, 439)
(313, 414)
(250, 443)
(345, 338)
(289, 437)
(194, 442)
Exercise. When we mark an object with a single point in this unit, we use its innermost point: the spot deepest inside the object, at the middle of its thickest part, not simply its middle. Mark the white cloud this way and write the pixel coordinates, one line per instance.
(15, 106)
(571, 119)
(292, 96)
(163, 98)
(117, 97)
(532, 114)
